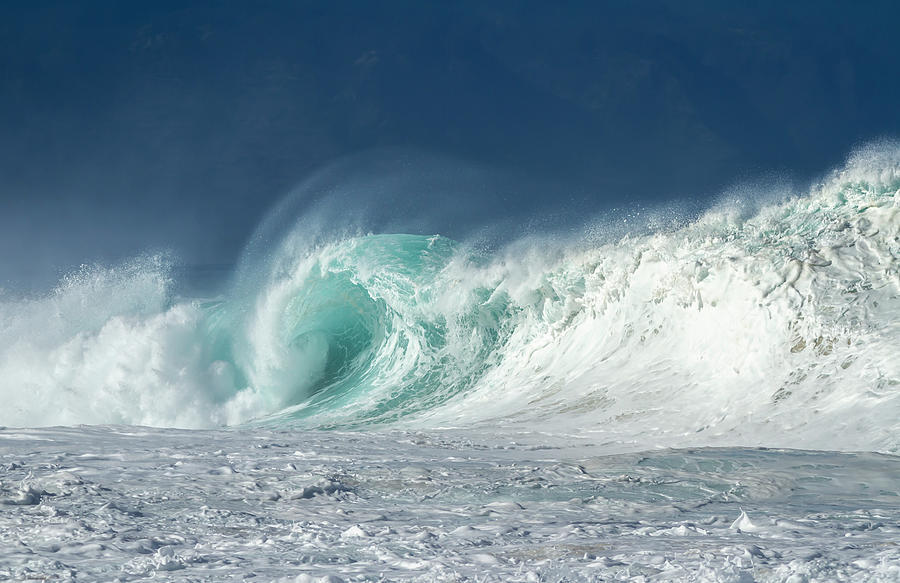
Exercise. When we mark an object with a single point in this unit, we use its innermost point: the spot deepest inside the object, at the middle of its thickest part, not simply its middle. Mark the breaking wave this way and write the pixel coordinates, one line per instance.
(778, 326)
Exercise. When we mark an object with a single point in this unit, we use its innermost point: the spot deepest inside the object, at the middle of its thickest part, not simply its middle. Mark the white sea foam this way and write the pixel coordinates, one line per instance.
(109, 346)
(107, 503)
(778, 328)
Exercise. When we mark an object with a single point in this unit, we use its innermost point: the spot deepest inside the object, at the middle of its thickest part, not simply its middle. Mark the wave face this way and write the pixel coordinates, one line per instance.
(774, 327)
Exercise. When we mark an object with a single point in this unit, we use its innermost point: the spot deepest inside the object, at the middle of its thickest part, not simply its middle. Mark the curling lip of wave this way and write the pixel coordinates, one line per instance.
(774, 329)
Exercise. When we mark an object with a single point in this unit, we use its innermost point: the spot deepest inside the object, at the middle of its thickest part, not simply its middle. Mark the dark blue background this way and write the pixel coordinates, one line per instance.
(126, 126)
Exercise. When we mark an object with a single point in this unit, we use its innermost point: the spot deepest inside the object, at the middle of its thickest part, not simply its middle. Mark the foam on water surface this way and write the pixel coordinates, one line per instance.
(124, 504)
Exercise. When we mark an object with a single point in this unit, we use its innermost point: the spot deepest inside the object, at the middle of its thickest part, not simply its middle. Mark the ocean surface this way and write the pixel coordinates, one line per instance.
(650, 396)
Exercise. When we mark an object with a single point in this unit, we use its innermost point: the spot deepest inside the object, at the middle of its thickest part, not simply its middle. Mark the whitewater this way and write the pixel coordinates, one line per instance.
(652, 397)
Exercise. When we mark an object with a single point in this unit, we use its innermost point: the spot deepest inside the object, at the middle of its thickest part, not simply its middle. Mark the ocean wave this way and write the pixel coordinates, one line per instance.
(778, 326)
